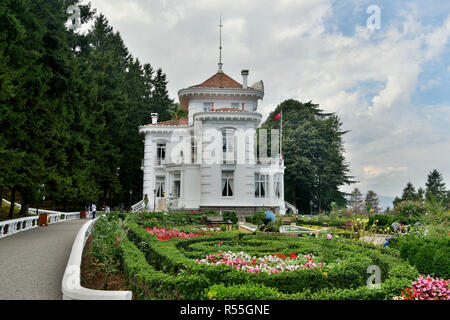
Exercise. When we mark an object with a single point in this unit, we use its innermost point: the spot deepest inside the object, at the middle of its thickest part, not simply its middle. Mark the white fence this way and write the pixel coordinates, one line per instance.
(13, 226)
(71, 285)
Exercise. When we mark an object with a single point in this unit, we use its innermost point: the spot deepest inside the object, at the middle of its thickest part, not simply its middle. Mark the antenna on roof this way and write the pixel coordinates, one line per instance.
(220, 46)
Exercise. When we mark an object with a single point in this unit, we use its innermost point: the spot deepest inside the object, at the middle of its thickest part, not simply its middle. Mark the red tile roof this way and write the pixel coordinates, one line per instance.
(219, 80)
(171, 123)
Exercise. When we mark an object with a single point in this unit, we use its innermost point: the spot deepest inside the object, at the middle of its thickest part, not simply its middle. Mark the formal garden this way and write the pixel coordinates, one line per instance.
(185, 256)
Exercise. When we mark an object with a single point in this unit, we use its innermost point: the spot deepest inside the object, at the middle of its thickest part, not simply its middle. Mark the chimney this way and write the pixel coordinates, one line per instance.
(154, 118)
(244, 78)
(212, 106)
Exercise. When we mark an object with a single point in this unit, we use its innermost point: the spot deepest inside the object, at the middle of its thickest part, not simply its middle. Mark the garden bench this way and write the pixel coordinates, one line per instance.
(215, 220)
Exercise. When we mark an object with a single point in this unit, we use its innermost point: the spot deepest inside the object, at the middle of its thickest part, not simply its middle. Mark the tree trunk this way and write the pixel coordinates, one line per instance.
(13, 200)
(25, 204)
(1, 197)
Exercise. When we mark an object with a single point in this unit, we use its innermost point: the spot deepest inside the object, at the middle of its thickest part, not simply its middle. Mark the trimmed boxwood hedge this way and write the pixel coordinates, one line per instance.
(431, 256)
(173, 262)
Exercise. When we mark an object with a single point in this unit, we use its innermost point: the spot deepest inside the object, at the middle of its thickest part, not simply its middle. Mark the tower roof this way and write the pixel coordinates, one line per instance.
(219, 80)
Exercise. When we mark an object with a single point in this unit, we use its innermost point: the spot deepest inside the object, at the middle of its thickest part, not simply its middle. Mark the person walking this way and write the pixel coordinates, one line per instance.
(94, 210)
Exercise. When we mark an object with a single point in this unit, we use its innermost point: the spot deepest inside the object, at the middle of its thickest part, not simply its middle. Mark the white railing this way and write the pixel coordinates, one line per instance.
(292, 207)
(10, 227)
(138, 206)
(71, 284)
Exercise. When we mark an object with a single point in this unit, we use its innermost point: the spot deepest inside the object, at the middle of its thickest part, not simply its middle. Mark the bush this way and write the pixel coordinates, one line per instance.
(410, 209)
(230, 216)
(430, 256)
(258, 218)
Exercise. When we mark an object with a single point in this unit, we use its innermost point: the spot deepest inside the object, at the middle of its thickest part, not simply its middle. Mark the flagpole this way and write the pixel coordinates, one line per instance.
(281, 135)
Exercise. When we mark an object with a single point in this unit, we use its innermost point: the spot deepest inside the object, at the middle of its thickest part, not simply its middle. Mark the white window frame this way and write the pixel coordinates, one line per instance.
(160, 186)
(160, 156)
(261, 184)
(227, 184)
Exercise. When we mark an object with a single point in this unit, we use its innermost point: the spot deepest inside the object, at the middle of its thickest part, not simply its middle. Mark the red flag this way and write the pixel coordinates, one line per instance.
(278, 116)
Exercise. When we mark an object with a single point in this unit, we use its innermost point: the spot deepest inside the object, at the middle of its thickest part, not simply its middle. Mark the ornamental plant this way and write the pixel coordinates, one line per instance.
(164, 234)
(276, 263)
(427, 289)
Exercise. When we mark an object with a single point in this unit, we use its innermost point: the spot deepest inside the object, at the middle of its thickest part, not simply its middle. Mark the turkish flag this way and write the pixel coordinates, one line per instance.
(278, 116)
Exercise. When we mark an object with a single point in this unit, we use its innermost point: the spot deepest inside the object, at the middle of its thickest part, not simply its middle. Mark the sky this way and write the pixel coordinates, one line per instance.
(389, 85)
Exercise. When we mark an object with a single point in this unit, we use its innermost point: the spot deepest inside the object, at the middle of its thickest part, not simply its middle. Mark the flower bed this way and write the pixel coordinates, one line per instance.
(164, 234)
(341, 275)
(427, 289)
(276, 263)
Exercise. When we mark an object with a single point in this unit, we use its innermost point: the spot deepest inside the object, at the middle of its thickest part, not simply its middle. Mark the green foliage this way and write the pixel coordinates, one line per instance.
(230, 216)
(176, 258)
(70, 106)
(314, 155)
(322, 221)
(409, 208)
(258, 218)
(105, 247)
(430, 256)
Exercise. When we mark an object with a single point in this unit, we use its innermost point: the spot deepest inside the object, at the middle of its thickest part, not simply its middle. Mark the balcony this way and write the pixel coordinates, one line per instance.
(277, 162)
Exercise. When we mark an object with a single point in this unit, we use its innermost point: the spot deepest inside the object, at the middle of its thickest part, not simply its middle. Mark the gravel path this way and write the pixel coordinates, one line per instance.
(32, 262)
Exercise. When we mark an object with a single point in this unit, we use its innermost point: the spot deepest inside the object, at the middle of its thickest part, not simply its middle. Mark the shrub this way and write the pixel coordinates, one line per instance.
(258, 218)
(230, 216)
(429, 255)
(410, 209)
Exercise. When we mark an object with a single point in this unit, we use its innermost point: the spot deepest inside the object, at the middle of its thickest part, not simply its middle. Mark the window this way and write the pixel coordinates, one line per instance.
(235, 105)
(228, 140)
(261, 185)
(228, 145)
(277, 185)
(193, 150)
(227, 183)
(160, 153)
(176, 191)
(160, 182)
(207, 106)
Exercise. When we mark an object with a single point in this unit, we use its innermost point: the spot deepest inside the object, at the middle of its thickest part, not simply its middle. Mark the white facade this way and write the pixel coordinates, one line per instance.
(208, 160)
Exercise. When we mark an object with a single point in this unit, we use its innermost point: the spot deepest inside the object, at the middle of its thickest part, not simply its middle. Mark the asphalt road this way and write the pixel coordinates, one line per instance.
(32, 262)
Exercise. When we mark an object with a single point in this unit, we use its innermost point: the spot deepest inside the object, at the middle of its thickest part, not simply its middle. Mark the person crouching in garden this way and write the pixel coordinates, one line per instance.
(270, 217)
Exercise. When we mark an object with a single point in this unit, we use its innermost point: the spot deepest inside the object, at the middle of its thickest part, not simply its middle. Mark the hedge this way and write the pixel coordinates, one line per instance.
(175, 259)
(148, 283)
(431, 256)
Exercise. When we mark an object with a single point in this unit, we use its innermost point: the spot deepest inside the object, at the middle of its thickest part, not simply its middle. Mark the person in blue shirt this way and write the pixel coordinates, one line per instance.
(270, 217)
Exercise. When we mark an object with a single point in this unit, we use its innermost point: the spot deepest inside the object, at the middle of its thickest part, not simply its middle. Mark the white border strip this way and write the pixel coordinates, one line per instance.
(71, 285)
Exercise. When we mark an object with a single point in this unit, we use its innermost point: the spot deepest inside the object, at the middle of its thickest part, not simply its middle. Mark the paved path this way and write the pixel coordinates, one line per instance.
(32, 262)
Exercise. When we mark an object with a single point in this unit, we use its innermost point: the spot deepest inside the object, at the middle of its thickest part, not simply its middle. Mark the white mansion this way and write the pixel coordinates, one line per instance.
(207, 161)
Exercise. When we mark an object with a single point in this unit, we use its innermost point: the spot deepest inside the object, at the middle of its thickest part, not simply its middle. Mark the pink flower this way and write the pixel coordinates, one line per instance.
(329, 236)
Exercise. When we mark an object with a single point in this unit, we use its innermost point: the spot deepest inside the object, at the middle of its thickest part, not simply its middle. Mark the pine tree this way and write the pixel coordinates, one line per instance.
(372, 203)
(356, 203)
(435, 185)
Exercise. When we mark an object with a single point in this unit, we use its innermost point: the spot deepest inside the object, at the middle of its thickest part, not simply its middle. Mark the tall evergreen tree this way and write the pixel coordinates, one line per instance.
(314, 155)
(435, 185)
(372, 203)
(356, 203)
